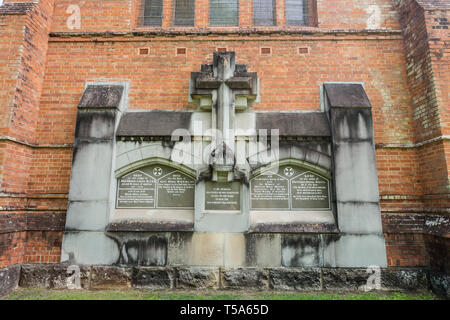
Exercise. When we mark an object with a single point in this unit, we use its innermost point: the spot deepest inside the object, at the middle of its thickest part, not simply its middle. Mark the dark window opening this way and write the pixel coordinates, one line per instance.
(184, 12)
(264, 12)
(224, 12)
(297, 12)
(152, 12)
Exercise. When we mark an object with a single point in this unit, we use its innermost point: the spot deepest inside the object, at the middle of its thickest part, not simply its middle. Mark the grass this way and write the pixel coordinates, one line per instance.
(134, 294)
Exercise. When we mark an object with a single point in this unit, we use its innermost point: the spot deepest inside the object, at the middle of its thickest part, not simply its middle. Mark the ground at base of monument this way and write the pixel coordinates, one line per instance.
(136, 294)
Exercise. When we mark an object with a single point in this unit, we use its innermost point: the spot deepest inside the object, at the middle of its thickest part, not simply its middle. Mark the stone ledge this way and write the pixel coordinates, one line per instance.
(439, 283)
(346, 95)
(295, 279)
(153, 123)
(314, 124)
(54, 276)
(101, 97)
(197, 278)
(51, 276)
(244, 278)
(292, 222)
(151, 220)
(289, 31)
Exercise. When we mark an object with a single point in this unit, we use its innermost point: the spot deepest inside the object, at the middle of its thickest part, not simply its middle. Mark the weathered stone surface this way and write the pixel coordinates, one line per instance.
(245, 278)
(151, 220)
(89, 248)
(95, 124)
(9, 279)
(263, 249)
(294, 124)
(355, 179)
(413, 279)
(197, 277)
(207, 249)
(141, 248)
(353, 251)
(91, 182)
(105, 277)
(102, 96)
(344, 278)
(294, 278)
(51, 276)
(346, 95)
(440, 283)
(220, 221)
(153, 277)
(301, 250)
(234, 250)
(55, 276)
(153, 123)
(91, 171)
(179, 248)
(222, 70)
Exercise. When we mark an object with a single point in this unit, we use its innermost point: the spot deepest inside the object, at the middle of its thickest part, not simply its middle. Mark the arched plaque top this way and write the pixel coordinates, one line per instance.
(273, 167)
(138, 165)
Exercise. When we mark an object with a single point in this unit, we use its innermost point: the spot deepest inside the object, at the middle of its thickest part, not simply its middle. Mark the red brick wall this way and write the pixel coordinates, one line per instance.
(417, 240)
(23, 47)
(426, 45)
(288, 80)
(403, 68)
(438, 24)
(12, 245)
(43, 247)
(120, 16)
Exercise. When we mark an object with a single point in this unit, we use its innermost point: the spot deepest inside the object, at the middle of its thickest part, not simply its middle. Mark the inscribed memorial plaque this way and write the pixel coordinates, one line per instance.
(270, 191)
(290, 188)
(156, 186)
(309, 190)
(176, 190)
(223, 195)
(136, 190)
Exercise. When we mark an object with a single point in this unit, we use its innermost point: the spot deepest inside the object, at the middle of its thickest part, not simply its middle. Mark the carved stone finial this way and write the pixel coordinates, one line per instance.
(224, 88)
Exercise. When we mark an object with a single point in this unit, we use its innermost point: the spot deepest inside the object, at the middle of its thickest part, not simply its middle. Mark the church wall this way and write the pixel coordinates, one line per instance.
(290, 81)
(23, 42)
(396, 83)
(121, 16)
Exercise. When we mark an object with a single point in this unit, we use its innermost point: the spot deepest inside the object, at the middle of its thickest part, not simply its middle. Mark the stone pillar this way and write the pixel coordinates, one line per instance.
(92, 188)
(361, 242)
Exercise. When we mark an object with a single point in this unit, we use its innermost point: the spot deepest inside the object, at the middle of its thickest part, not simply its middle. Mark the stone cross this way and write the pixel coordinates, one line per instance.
(224, 88)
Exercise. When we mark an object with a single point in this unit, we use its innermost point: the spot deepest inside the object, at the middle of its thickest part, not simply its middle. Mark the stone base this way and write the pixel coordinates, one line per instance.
(440, 283)
(9, 279)
(53, 276)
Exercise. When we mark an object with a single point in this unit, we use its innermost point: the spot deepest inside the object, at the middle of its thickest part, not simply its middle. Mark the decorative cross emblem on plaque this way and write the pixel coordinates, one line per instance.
(224, 88)
(289, 171)
(157, 171)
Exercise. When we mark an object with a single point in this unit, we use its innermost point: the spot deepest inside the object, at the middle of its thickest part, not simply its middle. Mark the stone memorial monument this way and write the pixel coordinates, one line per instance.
(224, 185)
